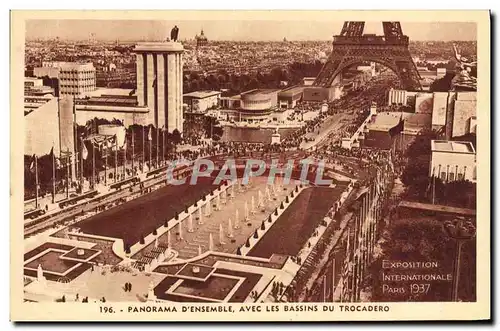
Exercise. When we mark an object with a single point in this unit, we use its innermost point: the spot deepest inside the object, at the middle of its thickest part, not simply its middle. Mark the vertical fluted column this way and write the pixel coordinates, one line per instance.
(161, 81)
(150, 90)
(171, 81)
(140, 79)
(180, 92)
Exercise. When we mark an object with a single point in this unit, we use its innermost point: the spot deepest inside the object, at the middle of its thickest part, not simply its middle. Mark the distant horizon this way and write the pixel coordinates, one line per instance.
(226, 40)
(250, 30)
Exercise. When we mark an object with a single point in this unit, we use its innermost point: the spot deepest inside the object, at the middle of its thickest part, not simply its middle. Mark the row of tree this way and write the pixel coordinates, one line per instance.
(142, 144)
(237, 83)
(417, 240)
(421, 187)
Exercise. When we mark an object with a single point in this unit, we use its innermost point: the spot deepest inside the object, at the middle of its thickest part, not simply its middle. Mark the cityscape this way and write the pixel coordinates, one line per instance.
(177, 168)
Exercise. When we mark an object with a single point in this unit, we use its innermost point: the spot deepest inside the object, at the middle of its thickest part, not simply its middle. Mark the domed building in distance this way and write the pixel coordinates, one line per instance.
(201, 40)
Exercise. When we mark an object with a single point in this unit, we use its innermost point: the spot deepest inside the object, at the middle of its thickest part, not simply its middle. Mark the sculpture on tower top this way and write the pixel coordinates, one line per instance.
(464, 78)
(174, 34)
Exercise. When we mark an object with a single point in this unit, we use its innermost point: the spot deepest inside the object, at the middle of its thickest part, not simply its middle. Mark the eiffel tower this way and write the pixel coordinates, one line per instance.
(352, 47)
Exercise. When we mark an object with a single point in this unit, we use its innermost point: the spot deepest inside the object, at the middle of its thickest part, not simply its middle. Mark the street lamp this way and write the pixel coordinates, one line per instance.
(461, 230)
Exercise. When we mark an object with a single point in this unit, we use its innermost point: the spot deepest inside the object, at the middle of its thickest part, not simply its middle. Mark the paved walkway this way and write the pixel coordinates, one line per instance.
(188, 247)
(331, 124)
(104, 283)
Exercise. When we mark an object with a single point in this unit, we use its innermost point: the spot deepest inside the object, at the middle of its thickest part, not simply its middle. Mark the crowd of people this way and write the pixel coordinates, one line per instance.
(355, 103)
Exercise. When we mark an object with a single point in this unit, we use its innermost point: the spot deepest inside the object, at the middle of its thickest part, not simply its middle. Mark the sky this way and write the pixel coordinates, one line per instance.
(251, 30)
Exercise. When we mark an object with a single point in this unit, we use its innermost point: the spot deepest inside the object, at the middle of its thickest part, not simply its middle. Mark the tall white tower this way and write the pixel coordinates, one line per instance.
(159, 83)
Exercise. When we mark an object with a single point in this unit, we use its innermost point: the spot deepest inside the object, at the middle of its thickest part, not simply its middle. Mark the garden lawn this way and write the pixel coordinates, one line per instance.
(295, 226)
(139, 217)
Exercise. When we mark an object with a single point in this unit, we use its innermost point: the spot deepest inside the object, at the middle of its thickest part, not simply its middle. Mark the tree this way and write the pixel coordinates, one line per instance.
(277, 74)
(270, 219)
(247, 243)
(425, 240)
(176, 216)
(263, 226)
(255, 235)
(142, 241)
(175, 137)
(281, 205)
(442, 84)
(416, 177)
(460, 193)
(154, 232)
(194, 76)
(165, 224)
(252, 84)
(127, 248)
(421, 145)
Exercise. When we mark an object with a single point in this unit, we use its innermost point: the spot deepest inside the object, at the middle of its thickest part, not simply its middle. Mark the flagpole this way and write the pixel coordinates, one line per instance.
(125, 159)
(324, 288)
(105, 162)
(143, 148)
(93, 165)
(163, 139)
(68, 164)
(333, 279)
(53, 176)
(81, 165)
(150, 144)
(75, 130)
(133, 151)
(36, 182)
(116, 158)
(157, 145)
(433, 185)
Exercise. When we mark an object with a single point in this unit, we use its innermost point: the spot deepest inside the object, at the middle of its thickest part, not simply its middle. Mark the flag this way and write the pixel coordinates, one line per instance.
(85, 152)
(398, 128)
(109, 142)
(32, 164)
(55, 161)
(150, 134)
(89, 127)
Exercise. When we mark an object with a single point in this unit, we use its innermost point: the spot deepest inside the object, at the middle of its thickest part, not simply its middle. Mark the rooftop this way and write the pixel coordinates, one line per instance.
(32, 79)
(168, 46)
(383, 121)
(202, 94)
(109, 100)
(68, 65)
(259, 91)
(469, 96)
(101, 91)
(291, 91)
(452, 146)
